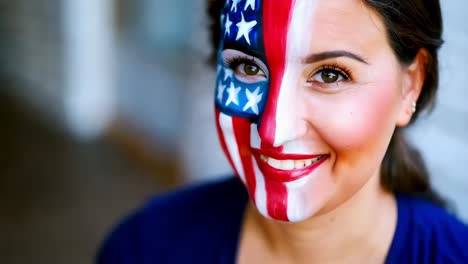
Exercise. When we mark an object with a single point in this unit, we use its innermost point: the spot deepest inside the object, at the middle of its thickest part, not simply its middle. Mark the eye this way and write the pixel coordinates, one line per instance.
(249, 69)
(246, 68)
(329, 74)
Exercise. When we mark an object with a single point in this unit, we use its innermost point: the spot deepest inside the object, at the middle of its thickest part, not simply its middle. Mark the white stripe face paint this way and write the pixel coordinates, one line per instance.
(254, 137)
(297, 200)
(225, 123)
(298, 44)
(260, 191)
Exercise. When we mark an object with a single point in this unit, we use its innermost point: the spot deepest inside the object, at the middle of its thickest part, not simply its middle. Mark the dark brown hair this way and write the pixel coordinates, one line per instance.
(411, 25)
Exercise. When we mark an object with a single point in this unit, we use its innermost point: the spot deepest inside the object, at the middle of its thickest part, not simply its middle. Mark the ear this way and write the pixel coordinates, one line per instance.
(412, 83)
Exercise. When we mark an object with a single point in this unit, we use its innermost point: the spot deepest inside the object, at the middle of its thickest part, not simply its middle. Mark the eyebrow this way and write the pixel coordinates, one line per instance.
(245, 49)
(332, 54)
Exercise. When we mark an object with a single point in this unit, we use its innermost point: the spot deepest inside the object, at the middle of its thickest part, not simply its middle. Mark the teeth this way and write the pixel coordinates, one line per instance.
(274, 163)
(298, 164)
(289, 164)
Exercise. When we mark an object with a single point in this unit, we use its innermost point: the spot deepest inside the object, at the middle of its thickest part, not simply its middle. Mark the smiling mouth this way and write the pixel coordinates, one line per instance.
(287, 167)
(290, 164)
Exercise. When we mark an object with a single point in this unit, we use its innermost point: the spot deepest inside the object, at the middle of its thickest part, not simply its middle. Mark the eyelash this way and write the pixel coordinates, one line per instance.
(233, 62)
(345, 71)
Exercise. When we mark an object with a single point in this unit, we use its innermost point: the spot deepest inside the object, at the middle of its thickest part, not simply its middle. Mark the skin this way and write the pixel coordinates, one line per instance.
(350, 120)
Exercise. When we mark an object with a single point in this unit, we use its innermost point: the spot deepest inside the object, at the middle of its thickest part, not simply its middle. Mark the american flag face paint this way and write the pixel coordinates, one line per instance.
(261, 44)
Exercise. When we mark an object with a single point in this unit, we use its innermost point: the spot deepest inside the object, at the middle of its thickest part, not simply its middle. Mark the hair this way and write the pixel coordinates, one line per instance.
(411, 25)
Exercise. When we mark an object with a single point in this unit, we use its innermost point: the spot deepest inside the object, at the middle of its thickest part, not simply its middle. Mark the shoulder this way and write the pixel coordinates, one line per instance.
(183, 219)
(427, 233)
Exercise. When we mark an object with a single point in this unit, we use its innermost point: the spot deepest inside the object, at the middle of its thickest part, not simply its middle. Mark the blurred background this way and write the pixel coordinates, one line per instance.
(104, 103)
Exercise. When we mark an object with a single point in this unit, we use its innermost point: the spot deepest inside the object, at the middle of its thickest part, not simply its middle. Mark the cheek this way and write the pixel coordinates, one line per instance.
(357, 124)
(362, 116)
(365, 118)
(357, 127)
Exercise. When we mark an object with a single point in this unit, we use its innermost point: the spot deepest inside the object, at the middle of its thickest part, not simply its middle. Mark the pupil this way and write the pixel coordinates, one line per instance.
(329, 76)
(251, 69)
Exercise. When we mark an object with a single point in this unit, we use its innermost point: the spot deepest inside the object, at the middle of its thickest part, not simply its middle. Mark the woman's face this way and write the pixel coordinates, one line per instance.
(308, 95)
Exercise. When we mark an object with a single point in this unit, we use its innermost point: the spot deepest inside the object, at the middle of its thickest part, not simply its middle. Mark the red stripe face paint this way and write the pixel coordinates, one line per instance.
(223, 143)
(241, 128)
(275, 30)
(276, 20)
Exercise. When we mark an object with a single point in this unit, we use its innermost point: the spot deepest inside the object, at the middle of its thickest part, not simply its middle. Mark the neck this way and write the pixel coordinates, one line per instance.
(361, 228)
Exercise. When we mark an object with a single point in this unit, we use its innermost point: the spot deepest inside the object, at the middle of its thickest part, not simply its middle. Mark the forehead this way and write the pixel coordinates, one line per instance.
(317, 24)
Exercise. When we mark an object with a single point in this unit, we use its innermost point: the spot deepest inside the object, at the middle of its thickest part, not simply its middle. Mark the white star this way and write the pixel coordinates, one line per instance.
(250, 3)
(227, 73)
(227, 26)
(220, 92)
(245, 28)
(254, 98)
(233, 92)
(234, 5)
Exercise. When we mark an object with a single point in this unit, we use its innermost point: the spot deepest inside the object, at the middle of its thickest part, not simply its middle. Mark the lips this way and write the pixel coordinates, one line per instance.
(283, 167)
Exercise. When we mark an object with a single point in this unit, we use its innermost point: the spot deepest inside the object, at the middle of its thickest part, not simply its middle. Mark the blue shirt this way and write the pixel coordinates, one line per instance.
(201, 224)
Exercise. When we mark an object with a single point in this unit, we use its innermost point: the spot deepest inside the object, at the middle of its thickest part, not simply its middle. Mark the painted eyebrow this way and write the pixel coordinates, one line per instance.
(245, 49)
(332, 54)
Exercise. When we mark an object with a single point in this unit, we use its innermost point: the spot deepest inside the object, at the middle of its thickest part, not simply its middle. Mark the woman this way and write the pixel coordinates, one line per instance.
(310, 101)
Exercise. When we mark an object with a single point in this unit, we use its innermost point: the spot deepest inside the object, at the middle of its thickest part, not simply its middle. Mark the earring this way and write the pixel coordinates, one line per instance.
(414, 106)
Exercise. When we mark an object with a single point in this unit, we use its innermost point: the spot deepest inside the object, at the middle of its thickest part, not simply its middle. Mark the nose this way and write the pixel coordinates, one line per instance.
(283, 119)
